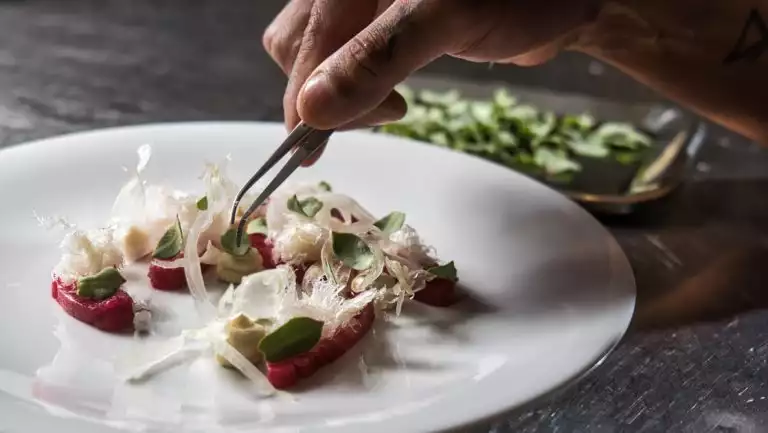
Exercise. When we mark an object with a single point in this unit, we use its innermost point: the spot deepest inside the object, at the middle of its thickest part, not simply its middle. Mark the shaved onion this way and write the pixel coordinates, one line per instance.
(407, 243)
(220, 193)
(325, 304)
(211, 255)
(143, 212)
(377, 267)
(299, 242)
(242, 363)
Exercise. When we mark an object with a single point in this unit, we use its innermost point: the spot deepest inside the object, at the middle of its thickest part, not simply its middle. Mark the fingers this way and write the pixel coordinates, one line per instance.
(282, 38)
(331, 23)
(393, 108)
(360, 75)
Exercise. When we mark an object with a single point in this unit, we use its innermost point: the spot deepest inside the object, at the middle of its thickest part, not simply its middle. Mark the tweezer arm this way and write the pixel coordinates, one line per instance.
(297, 136)
(312, 142)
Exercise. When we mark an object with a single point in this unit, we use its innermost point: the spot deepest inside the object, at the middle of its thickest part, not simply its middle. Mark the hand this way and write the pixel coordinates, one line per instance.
(344, 57)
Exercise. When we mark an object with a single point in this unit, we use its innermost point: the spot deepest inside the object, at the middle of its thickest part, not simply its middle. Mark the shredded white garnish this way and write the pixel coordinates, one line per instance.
(299, 241)
(325, 304)
(220, 193)
(87, 253)
(407, 244)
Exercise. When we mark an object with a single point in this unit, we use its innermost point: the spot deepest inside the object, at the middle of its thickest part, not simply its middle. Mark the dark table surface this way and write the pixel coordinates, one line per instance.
(695, 358)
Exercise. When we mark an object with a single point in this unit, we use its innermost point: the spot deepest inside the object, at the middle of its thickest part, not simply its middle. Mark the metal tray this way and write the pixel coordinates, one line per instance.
(606, 185)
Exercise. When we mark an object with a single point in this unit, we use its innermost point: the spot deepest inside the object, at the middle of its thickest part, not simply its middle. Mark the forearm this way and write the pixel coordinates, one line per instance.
(692, 51)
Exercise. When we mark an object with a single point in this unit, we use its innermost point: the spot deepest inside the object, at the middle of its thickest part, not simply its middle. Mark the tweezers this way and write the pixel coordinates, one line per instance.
(306, 140)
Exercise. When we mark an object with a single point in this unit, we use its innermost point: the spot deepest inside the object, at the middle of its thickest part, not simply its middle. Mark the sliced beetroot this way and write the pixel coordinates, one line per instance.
(264, 247)
(113, 314)
(439, 292)
(287, 373)
(162, 278)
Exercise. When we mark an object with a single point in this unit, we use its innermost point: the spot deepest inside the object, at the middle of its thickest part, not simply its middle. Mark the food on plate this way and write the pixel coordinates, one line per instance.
(238, 258)
(516, 135)
(87, 282)
(308, 278)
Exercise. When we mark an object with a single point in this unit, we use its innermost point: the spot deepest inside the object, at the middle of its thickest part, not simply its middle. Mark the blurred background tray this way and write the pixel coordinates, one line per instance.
(605, 185)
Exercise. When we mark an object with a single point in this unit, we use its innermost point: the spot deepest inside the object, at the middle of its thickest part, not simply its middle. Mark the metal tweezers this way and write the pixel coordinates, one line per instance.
(306, 140)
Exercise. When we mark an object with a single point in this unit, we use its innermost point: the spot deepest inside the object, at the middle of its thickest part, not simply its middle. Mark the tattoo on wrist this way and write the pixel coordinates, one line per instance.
(752, 42)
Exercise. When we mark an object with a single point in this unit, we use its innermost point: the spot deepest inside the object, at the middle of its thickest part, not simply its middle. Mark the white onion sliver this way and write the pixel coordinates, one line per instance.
(245, 366)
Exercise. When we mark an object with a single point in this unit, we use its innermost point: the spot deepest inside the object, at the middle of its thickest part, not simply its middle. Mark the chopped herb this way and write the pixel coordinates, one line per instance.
(202, 204)
(230, 244)
(100, 286)
(325, 186)
(352, 251)
(298, 335)
(446, 271)
(171, 243)
(309, 207)
(258, 225)
(512, 134)
(391, 223)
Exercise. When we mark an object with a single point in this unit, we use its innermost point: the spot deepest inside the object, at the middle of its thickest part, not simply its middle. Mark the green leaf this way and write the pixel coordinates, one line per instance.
(100, 286)
(544, 126)
(202, 204)
(171, 243)
(622, 135)
(503, 99)
(230, 245)
(308, 207)
(554, 161)
(581, 123)
(352, 251)
(440, 138)
(590, 147)
(507, 140)
(391, 223)
(258, 225)
(325, 186)
(446, 271)
(298, 335)
(440, 99)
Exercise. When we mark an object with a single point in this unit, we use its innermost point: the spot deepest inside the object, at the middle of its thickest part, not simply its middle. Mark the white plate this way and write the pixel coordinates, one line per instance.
(558, 292)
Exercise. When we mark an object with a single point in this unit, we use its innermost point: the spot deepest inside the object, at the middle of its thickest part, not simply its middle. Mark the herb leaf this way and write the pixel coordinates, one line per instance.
(297, 336)
(202, 204)
(446, 271)
(352, 251)
(258, 225)
(171, 243)
(229, 243)
(391, 223)
(325, 186)
(309, 207)
(100, 286)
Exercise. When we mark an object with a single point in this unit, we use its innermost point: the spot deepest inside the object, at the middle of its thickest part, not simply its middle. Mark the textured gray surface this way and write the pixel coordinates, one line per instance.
(695, 360)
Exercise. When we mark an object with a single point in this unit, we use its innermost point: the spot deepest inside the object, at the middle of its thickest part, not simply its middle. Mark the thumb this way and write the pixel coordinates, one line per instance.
(361, 74)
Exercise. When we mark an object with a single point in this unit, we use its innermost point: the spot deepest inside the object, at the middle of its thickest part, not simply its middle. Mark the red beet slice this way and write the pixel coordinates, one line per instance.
(264, 247)
(162, 278)
(287, 373)
(438, 293)
(113, 314)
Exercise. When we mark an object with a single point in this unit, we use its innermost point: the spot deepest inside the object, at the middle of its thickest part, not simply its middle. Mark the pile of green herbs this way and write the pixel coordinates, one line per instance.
(516, 135)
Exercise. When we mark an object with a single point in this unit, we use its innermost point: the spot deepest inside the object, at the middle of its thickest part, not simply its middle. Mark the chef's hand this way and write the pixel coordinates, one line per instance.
(344, 57)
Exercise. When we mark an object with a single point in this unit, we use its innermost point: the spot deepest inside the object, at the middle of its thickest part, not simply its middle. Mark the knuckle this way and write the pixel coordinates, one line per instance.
(368, 55)
(269, 38)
